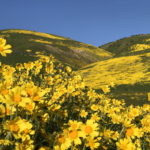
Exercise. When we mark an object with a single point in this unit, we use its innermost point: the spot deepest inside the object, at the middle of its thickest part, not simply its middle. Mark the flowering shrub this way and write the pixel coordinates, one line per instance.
(45, 105)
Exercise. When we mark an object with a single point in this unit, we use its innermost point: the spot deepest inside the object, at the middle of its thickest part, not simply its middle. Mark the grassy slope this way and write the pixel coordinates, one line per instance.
(130, 73)
(123, 47)
(73, 53)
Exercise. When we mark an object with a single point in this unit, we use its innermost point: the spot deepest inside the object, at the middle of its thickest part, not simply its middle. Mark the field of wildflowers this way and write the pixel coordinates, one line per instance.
(46, 106)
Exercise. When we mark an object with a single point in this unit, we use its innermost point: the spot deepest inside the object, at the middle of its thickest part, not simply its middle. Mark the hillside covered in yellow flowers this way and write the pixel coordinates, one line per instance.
(128, 70)
(123, 63)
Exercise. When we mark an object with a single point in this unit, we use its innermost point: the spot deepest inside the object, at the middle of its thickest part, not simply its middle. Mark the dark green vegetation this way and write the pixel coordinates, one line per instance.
(70, 52)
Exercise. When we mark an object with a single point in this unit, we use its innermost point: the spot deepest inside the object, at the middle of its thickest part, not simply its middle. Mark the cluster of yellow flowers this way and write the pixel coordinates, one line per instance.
(140, 47)
(46, 106)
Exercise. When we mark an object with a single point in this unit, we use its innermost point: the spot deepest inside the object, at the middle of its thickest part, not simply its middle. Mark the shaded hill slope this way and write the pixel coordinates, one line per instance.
(26, 44)
(137, 44)
(130, 74)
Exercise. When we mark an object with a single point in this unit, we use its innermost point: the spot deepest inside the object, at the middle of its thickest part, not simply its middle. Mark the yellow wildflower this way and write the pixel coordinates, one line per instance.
(116, 119)
(12, 126)
(49, 80)
(95, 117)
(43, 58)
(74, 125)
(70, 89)
(28, 65)
(74, 136)
(134, 131)
(115, 135)
(19, 126)
(54, 107)
(94, 107)
(34, 92)
(106, 89)
(126, 122)
(49, 68)
(107, 133)
(4, 89)
(45, 117)
(19, 67)
(30, 106)
(92, 143)
(26, 144)
(134, 112)
(146, 123)
(24, 126)
(5, 142)
(6, 110)
(125, 144)
(4, 48)
(90, 128)
(63, 142)
(83, 113)
(7, 72)
(146, 107)
(15, 96)
(112, 84)
(92, 94)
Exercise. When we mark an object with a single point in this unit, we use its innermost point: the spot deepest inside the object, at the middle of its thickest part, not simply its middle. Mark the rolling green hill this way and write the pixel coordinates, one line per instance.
(129, 70)
(125, 62)
(137, 44)
(26, 44)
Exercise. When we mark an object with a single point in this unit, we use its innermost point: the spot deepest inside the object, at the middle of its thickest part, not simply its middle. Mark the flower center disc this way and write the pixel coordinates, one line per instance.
(1, 48)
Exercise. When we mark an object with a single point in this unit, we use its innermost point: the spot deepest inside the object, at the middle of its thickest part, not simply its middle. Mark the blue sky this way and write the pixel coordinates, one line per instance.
(91, 21)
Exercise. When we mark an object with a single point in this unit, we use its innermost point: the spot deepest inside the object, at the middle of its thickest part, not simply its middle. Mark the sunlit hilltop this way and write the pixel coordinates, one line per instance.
(26, 44)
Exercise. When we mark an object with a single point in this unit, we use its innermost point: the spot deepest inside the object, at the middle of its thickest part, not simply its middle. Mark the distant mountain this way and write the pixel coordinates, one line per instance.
(129, 69)
(26, 44)
(137, 44)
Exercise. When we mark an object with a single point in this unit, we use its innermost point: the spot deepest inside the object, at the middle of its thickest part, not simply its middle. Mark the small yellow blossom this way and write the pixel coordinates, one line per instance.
(94, 107)
(106, 89)
(83, 114)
